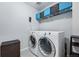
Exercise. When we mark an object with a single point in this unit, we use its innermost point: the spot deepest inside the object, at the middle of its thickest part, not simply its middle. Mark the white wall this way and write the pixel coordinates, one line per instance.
(75, 21)
(59, 23)
(14, 22)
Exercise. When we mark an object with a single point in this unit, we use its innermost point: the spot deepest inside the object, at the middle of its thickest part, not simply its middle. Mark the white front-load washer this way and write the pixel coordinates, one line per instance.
(49, 44)
(33, 42)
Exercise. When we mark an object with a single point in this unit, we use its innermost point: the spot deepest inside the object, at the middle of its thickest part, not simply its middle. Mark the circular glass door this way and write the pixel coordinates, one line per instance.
(32, 41)
(46, 46)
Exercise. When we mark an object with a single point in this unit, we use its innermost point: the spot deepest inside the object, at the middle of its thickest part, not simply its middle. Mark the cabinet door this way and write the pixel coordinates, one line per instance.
(55, 9)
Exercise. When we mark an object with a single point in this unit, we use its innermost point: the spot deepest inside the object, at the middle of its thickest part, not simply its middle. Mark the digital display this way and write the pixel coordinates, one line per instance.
(64, 5)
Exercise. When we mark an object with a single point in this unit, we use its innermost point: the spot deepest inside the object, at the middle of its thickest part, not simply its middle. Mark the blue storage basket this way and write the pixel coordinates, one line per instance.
(47, 12)
(65, 5)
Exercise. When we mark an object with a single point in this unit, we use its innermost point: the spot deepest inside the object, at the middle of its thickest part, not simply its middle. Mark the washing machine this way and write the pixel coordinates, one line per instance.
(33, 42)
(49, 44)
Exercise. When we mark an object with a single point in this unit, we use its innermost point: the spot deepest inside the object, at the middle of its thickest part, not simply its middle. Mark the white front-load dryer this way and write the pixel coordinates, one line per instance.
(33, 42)
(50, 44)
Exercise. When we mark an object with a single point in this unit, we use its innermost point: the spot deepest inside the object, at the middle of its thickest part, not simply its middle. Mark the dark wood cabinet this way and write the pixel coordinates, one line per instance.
(55, 9)
(10, 49)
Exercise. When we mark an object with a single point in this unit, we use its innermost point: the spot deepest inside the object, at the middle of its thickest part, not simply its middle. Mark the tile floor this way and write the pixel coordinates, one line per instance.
(27, 53)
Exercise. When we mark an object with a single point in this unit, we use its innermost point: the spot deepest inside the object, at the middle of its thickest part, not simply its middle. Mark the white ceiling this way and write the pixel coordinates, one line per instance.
(39, 5)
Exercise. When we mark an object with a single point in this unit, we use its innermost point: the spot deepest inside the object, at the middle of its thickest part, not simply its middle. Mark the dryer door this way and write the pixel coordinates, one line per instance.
(32, 42)
(46, 47)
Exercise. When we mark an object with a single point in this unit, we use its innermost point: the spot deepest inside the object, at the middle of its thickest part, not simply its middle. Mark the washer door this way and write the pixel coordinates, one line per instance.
(32, 42)
(46, 47)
